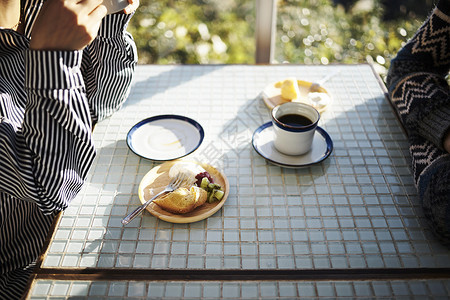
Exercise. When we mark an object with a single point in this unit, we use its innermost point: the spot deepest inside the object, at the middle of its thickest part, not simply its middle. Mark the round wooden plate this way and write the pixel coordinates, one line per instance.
(158, 178)
(271, 94)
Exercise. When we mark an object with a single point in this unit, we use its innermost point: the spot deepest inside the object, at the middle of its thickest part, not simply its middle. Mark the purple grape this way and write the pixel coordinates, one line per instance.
(200, 176)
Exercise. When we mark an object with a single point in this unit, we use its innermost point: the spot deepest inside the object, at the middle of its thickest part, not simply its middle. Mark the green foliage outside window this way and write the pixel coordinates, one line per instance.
(194, 32)
(308, 32)
(315, 32)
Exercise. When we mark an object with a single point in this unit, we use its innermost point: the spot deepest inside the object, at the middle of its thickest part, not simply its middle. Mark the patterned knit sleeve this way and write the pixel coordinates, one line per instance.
(108, 66)
(47, 159)
(416, 78)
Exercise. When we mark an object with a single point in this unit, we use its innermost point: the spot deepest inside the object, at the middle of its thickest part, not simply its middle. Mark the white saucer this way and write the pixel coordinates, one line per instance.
(263, 144)
(165, 137)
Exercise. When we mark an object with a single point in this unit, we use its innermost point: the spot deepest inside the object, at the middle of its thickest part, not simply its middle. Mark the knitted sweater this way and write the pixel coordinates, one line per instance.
(424, 62)
(421, 95)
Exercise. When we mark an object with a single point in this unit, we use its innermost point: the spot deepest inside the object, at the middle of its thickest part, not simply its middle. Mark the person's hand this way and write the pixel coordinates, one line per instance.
(447, 141)
(134, 4)
(67, 24)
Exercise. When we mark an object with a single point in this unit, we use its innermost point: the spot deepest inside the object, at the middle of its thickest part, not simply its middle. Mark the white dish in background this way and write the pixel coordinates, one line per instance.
(271, 95)
(262, 142)
(165, 137)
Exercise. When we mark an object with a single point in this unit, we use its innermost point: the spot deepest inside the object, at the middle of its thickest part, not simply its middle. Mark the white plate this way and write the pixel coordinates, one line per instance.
(165, 137)
(263, 144)
(271, 95)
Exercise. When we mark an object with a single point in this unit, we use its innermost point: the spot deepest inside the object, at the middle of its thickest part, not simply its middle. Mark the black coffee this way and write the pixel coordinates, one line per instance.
(295, 120)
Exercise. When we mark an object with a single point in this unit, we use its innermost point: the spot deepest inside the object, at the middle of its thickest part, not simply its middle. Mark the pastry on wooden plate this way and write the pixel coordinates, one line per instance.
(195, 191)
(159, 176)
(182, 200)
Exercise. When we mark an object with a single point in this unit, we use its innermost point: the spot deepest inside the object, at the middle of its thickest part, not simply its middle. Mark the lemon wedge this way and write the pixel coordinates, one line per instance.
(289, 89)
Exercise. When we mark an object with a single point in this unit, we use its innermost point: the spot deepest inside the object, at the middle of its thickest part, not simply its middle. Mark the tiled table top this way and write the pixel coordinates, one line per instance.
(357, 209)
(399, 289)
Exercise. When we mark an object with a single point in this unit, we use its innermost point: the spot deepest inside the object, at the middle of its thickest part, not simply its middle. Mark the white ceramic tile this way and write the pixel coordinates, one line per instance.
(360, 203)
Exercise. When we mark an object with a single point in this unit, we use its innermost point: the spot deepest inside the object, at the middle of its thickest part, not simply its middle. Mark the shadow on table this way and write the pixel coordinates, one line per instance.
(367, 179)
(162, 78)
(366, 185)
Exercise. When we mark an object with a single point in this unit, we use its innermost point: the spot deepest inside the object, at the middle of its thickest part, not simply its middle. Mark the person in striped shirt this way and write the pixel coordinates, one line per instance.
(64, 65)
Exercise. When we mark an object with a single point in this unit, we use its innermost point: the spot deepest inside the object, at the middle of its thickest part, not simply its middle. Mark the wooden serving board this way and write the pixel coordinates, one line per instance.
(158, 178)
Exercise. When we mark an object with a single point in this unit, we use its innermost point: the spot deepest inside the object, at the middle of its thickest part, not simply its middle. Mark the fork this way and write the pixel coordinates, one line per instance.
(316, 85)
(173, 185)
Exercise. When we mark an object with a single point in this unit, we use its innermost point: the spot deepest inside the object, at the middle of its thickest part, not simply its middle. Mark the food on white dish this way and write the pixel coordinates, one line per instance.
(290, 90)
(319, 100)
(293, 90)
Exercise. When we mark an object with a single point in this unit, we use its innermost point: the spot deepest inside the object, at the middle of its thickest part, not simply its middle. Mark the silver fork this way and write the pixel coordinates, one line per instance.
(316, 85)
(173, 185)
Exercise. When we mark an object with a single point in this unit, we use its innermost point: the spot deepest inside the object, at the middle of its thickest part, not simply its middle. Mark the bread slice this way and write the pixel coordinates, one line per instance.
(182, 200)
(200, 196)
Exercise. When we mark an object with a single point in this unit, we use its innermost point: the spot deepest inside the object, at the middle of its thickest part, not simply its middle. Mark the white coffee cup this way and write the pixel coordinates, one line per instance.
(294, 125)
(114, 6)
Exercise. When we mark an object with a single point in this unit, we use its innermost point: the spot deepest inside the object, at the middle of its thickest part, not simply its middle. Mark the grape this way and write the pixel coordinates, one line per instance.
(200, 176)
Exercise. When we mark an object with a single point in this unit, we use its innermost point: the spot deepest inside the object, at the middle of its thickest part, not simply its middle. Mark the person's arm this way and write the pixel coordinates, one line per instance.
(46, 159)
(447, 141)
(108, 66)
(416, 79)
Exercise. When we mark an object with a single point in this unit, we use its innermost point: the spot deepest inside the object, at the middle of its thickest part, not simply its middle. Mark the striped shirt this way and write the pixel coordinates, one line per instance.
(48, 103)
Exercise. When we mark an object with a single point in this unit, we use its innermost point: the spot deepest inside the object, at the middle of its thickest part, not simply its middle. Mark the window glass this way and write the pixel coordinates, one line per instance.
(345, 31)
(194, 31)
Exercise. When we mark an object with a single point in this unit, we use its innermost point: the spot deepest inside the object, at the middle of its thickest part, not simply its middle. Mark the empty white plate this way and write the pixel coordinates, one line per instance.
(165, 137)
